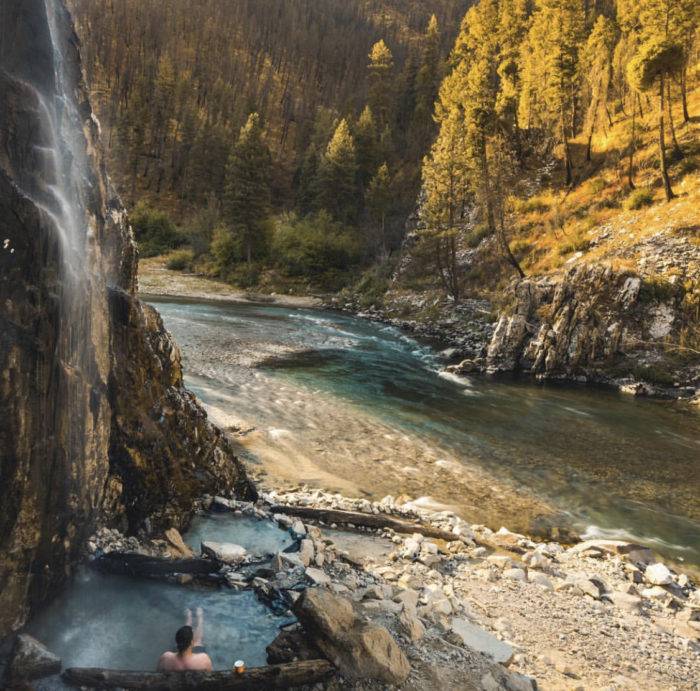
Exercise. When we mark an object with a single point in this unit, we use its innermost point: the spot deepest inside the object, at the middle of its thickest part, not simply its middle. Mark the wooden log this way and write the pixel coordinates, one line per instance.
(127, 564)
(367, 520)
(287, 676)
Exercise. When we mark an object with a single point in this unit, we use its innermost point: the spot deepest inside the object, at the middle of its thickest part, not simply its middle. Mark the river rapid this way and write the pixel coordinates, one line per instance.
(345, 404)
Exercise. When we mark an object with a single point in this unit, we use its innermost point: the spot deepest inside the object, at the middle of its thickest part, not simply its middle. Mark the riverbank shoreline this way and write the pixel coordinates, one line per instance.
(461, 333)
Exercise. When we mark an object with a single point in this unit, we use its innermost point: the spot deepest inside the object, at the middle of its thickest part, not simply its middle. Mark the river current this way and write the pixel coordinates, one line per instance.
(342, 403)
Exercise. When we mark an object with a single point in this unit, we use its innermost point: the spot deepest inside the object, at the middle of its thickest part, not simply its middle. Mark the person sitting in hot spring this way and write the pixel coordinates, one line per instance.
(190, 655)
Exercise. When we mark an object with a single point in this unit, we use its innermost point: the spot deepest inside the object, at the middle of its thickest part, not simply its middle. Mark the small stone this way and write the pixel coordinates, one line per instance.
(540, 579)
(515, 575)
(306, 551)
(476, 638)
(224, 551)
(318, 576)
(298, 528)
(625, 601)
(658, 574)
(656, 593)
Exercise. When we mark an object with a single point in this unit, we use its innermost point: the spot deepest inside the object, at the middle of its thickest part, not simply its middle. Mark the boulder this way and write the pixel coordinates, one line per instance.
(477, 639)
(177, 544)
(360, 650)
(224, 551)
(30, 660)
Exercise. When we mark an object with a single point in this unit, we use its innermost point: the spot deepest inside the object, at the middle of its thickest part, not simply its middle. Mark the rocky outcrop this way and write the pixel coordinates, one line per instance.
(591, 324)
(95, 425)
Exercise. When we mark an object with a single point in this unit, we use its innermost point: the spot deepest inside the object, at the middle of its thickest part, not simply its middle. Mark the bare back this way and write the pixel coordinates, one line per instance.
(196, 662)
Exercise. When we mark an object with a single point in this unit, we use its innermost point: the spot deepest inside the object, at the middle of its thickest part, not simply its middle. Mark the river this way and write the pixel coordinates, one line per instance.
(350, 405)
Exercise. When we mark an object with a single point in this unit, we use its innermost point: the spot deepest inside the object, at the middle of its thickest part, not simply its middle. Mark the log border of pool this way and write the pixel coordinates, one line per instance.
(394, 619)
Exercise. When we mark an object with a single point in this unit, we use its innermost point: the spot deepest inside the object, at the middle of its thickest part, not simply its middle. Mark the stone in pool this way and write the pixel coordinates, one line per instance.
(258, 537)
(125, 623)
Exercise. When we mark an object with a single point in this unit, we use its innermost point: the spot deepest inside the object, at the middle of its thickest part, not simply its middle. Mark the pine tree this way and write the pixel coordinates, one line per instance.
(597, 60)
(551, 70)
(247, 191)
(381, 87)
(446, 198)
(367, 144)
(427, 82)
(379, 199)
(337, 176)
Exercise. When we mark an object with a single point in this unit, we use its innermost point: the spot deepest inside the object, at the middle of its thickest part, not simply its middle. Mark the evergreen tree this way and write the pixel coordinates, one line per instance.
(597, 61)
(551, 74)
(381, 87)
(247, 192)
(427, 82)
(337, 176)
(367, 144)
(379, 199)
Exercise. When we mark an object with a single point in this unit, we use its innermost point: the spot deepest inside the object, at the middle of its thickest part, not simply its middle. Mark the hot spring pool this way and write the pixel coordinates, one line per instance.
(126, 623)
(259, 537)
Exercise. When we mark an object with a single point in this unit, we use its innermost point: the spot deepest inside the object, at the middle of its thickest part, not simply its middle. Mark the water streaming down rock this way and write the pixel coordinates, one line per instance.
(94, 422)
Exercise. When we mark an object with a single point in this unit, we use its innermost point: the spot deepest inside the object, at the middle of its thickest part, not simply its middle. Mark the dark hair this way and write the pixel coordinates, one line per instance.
(183, 638)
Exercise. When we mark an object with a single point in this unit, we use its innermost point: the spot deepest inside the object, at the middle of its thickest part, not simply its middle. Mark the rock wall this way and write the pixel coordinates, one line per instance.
(591, 324)
(95, 425)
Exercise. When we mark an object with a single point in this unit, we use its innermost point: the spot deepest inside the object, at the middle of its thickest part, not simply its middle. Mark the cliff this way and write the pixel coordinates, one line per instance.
(95, 424)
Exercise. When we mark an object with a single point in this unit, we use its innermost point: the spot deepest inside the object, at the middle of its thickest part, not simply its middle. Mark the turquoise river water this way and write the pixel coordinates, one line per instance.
(347, 404)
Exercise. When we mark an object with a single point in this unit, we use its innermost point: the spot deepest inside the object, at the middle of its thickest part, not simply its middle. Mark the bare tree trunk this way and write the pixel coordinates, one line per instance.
(633, 145)
(677, 151)
(567, 152)
(662, 144)
(684, 92)
(594, 110)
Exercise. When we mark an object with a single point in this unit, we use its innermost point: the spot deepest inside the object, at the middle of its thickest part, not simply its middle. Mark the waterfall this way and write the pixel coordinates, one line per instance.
(63, 163)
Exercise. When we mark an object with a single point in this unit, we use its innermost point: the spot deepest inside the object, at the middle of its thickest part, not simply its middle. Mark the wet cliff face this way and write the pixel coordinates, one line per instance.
(95, 425)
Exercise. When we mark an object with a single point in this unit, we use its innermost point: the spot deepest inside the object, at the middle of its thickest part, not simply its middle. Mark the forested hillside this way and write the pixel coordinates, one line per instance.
(544, 97)
(283, 144)
(343, 91)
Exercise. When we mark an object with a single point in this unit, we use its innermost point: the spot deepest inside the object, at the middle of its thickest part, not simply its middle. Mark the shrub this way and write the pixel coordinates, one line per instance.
(225, 250)
(579, 243)
(639, 198)
(477, 234)
(154, 230)
(245, 275)
(180, 260)
(597, 185)
(533, 205)
(313, 246)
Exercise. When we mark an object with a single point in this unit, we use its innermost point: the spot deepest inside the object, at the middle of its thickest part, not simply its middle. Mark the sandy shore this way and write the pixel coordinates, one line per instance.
(156, 280)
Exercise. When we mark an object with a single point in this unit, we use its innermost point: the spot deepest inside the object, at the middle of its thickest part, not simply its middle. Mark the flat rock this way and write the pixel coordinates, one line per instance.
(318, 576)
(360, 650)
(476, 638)
(224, 551)
(30, 660)
(515, 575)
